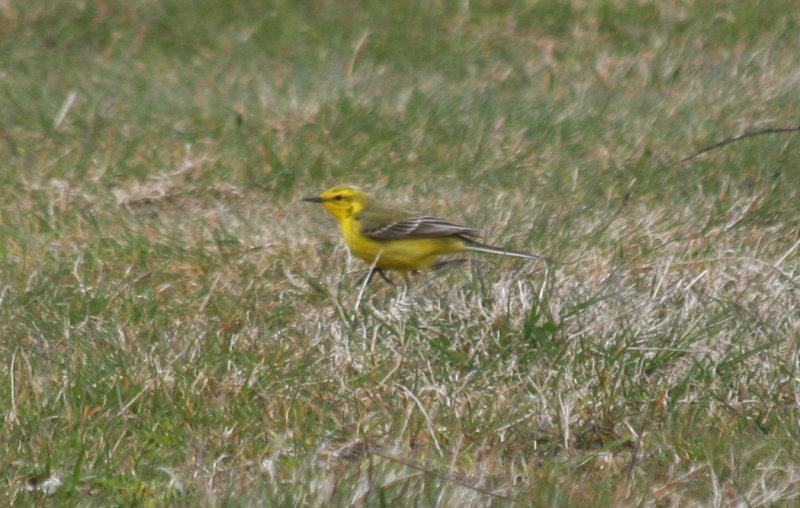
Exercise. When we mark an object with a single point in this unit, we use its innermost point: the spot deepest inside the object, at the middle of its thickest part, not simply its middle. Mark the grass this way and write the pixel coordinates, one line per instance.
(179, 329)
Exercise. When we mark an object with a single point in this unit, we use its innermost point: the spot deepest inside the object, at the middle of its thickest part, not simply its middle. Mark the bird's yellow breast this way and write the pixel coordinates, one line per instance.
(405, 254)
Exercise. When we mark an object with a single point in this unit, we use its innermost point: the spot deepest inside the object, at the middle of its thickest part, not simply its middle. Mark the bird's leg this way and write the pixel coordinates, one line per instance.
(383, 276)
(371, 273)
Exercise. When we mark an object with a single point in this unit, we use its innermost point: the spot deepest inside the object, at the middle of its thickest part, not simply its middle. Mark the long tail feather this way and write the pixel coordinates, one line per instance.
(479, 247)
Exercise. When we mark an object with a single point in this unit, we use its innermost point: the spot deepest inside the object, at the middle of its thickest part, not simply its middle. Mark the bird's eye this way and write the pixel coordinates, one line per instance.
(338, 198)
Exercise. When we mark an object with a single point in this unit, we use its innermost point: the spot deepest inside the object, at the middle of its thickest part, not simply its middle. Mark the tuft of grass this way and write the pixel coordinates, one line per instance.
(179, 329)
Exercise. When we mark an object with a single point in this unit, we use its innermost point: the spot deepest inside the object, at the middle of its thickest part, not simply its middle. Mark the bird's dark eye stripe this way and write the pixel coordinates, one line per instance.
(338, 198)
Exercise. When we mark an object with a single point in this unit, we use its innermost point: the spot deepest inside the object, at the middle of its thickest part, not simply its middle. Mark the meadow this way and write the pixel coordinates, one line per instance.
(178, 328)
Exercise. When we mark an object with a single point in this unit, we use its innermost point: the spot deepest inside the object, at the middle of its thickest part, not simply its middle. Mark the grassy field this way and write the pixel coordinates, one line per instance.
(178, 328)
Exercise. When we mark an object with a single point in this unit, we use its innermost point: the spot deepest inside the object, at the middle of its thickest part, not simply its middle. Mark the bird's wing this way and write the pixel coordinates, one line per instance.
(382, 223)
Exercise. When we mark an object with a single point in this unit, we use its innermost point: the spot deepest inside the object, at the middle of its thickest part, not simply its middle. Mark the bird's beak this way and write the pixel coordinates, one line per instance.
(313, 199)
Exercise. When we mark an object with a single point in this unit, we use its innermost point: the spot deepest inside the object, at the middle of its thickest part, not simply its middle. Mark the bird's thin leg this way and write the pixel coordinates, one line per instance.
(371, 273)
(383, 276)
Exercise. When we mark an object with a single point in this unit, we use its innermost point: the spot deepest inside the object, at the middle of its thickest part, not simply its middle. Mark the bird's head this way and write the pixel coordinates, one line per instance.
(341, 201)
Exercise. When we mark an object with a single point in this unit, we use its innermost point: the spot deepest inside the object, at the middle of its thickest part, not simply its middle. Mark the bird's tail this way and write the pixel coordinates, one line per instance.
(479, 247)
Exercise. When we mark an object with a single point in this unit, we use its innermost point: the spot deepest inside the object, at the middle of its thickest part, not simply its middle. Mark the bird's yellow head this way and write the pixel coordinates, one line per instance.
(342, 202)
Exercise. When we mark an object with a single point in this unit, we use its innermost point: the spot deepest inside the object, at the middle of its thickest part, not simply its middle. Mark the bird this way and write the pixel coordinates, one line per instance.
(390, 237)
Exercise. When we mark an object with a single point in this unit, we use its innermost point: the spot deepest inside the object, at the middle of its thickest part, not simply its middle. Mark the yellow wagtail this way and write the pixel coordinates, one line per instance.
(392, 238)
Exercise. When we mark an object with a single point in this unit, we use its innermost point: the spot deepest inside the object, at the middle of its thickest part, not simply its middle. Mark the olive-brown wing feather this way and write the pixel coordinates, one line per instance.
(422, 226)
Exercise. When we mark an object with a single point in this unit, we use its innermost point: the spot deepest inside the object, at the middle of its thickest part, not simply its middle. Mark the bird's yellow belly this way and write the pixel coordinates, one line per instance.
(405, 254)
